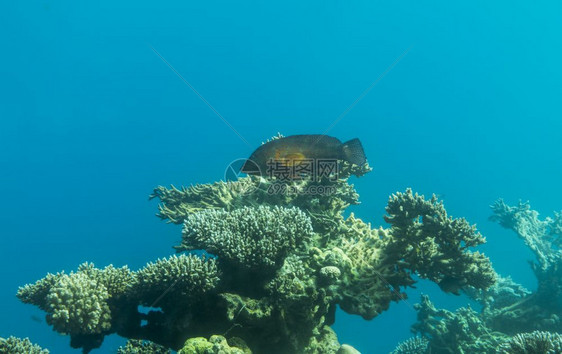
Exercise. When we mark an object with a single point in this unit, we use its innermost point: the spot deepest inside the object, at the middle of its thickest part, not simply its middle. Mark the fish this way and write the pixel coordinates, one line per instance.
(36, 318)
(452, 285)
(295, 150)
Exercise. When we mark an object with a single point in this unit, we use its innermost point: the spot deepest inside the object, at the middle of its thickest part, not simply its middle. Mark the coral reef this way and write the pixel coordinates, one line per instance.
(434, 245)
(542, 309)
(535, 342)
(465, 331)
(543, 237)
(13, 345)
(267, 263)
(80, 303)
(462, 331)
(512, 318)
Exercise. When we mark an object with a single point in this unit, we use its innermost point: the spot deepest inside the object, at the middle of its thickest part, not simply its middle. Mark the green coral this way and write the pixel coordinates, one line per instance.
(465, 331)
(114, 280)
(135, 346)
(323, 208)
(281, 260)
(14, 345)
(369, 283)
(78, 304)
(36, 293)
(252, 238)
(535, 342)
(462, 331)
(175, 281)
(508, 309)
(543, 237)
(541, 309)
(215, 345)
(434, 245)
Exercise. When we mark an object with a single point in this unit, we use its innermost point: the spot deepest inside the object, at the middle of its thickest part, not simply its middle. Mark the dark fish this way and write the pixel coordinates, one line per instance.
(36, 319)
(452, 285)
(292, 149)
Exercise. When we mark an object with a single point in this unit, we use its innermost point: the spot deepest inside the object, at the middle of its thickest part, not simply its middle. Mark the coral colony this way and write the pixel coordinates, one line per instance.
(258, 271)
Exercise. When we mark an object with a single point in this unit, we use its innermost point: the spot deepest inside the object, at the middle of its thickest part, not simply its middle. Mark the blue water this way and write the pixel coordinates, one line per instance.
(91, 119)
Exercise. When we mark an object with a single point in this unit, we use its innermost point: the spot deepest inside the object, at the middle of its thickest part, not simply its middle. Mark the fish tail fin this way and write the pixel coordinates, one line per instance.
(353, 152)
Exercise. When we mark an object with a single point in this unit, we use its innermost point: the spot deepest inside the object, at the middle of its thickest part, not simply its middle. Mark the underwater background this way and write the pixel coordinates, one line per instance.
(465, 103)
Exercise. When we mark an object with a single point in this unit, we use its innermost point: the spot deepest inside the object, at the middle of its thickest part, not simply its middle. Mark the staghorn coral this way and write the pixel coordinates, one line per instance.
(414, 345)
(535, 342)
(135, 346)
(13, 345)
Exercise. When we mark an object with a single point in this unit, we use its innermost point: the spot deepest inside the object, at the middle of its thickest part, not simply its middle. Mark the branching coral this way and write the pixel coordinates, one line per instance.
(175, 282)
(368, 282)
(252, 238)
(427, 241)
(13, 345)
(460, 332)
(543, 237)
(81, 303)
(282, 258)
(323, 200)
(508, 309)
(542, 309)
(78, 304)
